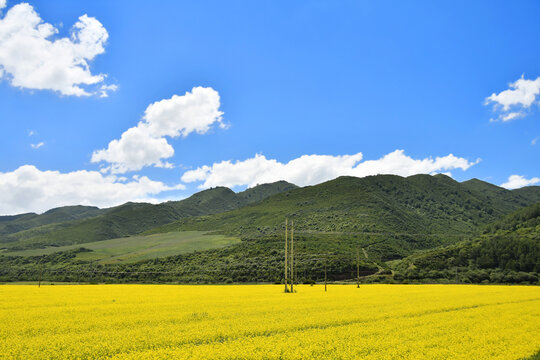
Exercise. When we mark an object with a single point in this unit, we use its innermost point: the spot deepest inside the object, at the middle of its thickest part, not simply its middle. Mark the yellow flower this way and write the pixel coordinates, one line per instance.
(261, 322)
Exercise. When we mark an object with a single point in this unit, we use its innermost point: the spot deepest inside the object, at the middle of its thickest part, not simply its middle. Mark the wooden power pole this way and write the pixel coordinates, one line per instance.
(357, 268)
(286, 258)
(40, 273)
(325, 276)
(292, 256)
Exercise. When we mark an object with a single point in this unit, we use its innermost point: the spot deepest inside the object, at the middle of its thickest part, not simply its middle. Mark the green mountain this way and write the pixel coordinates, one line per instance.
(16, 223)
(134, 218)
(529, 192)
(389, 222)
(263, 191)
(503, 198)
(388, 216)
(417, 205)
(507, 251)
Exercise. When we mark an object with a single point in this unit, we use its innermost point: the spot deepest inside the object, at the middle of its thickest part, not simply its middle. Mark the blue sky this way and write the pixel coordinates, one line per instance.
(304, 91)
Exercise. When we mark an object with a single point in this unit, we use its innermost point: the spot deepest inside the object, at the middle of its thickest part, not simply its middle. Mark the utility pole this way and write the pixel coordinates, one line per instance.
(357, 268)
(286, 258)
(91, 271)
(292, 255)
(325, 276)
(296, 274)
(40, 274)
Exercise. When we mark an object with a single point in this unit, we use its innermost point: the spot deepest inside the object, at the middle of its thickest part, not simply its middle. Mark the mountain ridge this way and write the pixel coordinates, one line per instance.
(402, 202)
(132, 218)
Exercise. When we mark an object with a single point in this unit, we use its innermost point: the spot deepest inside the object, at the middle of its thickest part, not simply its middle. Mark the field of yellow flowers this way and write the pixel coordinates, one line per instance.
(262, 322)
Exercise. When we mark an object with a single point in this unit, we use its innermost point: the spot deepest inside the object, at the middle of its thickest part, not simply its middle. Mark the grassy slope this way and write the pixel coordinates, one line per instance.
(124, 220)
(137, 248)
(134, 218)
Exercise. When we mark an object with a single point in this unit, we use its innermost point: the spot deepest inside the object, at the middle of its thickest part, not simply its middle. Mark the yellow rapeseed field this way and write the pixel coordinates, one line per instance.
(261, 322)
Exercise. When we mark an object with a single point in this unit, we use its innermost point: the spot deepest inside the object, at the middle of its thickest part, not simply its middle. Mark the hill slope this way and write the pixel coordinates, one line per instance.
(137, 248)
(507, 251)
(420, 204)
(16, 223)
(380, 218)
(133, 218)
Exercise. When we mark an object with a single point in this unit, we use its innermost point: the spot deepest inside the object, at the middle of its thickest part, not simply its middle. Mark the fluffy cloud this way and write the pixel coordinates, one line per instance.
(513, 102)
(37, 146)
(145, 144)
(105, 89)
(2, 4)
(314, 169)
(29, 189)
(31, 57)
(518, 181)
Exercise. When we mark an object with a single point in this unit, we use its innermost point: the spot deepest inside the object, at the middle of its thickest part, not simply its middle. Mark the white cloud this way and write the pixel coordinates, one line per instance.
(32, 57)
(31, 133)
(314, 169)
(28, 189)
(103, 90)
(535, 140)
(513, 102)
(512, 116)
(2, 4)
(37, 146)
(518, 181)
(145, 144)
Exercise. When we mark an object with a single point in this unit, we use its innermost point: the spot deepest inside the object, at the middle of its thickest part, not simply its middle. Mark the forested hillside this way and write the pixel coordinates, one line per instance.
(438, 226)
(507, 251)
(418, 205)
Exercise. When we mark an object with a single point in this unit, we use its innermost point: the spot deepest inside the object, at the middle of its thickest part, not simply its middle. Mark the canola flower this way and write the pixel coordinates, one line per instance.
(262, 322)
